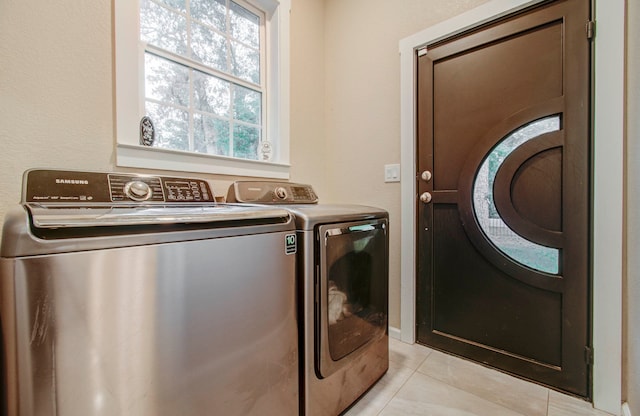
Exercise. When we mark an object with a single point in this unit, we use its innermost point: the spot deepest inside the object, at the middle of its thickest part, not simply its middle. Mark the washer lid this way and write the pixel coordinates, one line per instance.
(307, 217)
(58, 199)
(64, 211)
(43, 217)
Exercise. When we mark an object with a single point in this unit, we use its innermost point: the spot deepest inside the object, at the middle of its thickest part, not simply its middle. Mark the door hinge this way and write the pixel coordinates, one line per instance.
(422, 51)
(588, 355)
(591, 27)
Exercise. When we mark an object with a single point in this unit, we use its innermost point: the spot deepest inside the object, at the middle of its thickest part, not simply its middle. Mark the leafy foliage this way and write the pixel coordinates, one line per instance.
(198, 71)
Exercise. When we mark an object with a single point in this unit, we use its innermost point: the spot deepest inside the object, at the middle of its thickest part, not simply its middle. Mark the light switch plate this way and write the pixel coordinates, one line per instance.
(392, 173)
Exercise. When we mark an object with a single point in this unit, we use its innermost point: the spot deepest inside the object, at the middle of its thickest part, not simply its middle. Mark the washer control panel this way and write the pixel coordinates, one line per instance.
(61, 186)
(266, 192)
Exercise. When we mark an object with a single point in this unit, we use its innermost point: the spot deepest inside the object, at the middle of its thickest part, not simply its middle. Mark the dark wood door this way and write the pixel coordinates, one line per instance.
(503, 186)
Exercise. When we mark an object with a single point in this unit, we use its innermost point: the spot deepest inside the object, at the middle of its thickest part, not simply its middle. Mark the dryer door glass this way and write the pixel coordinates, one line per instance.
(354, 281)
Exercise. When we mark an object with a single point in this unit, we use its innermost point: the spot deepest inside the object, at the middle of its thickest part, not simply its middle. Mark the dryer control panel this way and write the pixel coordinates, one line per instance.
(268, 192)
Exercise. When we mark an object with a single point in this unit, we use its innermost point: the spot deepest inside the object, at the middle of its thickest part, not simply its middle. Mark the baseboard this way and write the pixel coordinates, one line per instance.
(625, 409)
(395, 332)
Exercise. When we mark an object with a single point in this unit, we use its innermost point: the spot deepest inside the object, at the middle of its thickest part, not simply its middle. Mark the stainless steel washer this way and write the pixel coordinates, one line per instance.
(343, 272)
(126, 294)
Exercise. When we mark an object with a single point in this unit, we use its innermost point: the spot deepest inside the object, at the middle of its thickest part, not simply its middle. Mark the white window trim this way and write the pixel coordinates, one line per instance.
(129, 62)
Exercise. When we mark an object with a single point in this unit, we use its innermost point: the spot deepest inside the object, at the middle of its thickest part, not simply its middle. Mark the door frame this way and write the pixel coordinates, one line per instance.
(608, 192)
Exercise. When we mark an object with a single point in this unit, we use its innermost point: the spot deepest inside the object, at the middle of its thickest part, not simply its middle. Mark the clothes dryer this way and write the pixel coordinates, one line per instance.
(343, 293)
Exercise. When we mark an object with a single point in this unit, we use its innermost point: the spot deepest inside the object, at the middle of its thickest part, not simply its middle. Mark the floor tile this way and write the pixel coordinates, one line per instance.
(421, 381)
(409, 355)
(563, 405)
(521, 396)
(379, 395)
(423, 395)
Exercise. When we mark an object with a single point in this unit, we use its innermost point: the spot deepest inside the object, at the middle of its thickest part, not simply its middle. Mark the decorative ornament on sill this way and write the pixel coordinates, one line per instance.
(147, 131)
(266, 150)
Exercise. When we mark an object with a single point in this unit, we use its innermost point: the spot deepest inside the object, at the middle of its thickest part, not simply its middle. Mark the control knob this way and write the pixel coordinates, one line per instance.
(281, 193)
(137, 190)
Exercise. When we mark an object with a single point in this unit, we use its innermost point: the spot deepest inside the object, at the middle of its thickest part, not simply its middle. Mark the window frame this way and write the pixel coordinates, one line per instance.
(129, 100)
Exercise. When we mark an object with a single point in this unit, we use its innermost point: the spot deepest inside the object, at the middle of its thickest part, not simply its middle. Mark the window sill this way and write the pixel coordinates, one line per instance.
(134, 156)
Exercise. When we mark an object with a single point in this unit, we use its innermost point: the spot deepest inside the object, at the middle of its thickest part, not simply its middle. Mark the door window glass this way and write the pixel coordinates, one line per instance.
(535, 256)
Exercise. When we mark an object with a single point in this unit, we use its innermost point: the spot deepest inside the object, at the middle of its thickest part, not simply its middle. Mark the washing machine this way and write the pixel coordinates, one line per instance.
(125, 294)
(343, 293)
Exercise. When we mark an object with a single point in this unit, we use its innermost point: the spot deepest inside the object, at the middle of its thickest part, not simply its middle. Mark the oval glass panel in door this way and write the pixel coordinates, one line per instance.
(518, 248)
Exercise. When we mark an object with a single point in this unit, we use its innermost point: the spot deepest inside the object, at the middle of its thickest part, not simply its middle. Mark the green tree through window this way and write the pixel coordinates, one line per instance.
(203, 83)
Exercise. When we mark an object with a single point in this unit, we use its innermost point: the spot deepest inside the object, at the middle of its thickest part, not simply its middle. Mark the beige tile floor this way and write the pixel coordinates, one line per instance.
(421, 381)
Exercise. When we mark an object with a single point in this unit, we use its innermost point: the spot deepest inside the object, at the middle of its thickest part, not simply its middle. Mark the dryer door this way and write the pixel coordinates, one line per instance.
(352, 287)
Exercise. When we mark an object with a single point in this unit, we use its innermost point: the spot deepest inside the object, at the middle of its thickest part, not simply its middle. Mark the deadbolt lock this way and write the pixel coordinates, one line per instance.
(426, 176)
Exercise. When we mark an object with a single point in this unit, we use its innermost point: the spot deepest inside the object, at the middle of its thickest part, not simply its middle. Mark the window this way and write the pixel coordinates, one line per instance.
(212, 75)
(518, 248)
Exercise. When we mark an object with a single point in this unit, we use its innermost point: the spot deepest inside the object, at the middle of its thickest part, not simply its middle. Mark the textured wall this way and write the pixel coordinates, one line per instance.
(56, 91)
(308, 147)
(56, 108)
(56, 95)
(632, 283)
(362, 63)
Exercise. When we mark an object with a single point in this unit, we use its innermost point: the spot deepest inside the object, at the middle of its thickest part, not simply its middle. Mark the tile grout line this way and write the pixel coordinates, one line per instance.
(430, 355)
(413, 372)
(396, 393)
(474, 394)
(548, 401)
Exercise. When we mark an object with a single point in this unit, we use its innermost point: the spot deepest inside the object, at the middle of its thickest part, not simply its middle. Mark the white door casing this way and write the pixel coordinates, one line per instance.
(608, 192)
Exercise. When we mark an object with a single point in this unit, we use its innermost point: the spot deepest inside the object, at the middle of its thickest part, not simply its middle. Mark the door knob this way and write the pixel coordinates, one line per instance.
(425, 197)
(426, 176)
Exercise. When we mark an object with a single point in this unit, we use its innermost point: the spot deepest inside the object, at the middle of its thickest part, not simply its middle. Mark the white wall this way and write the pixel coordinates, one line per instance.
(632, 283)
(308, 147)
(56, 107)
(362, 119)
(56, 91)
